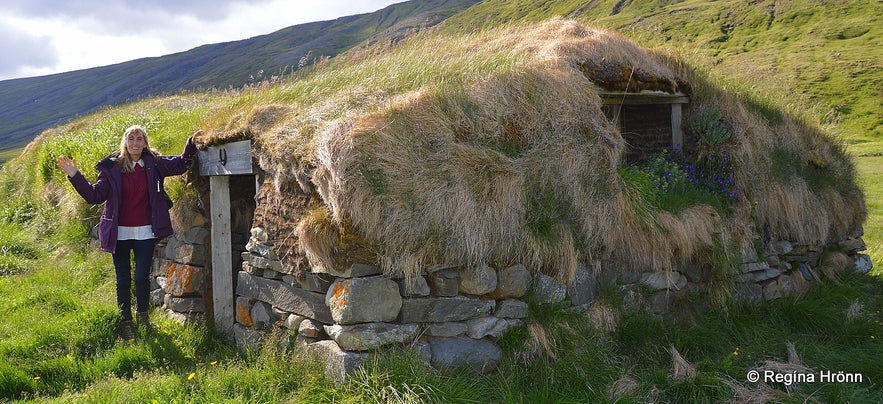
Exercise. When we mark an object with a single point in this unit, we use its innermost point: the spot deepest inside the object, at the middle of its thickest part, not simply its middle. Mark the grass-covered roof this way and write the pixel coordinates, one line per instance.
(493, 148)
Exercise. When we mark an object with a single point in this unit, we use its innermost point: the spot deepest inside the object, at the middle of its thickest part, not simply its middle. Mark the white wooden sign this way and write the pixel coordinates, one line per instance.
(226, 159)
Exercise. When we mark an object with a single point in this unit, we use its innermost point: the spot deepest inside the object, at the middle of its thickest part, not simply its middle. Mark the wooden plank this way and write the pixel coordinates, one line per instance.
(677, 132)
(643, 98)
(222, 256)
(227, 159)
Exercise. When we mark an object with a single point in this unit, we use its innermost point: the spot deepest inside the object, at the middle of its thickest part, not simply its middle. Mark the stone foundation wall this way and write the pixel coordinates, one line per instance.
(452, 316)
(179, 279)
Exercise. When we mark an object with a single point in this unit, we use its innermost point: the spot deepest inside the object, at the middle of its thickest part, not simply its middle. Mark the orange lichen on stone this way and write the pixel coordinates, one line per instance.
(339, 292)
(184, 279)
(243, 316)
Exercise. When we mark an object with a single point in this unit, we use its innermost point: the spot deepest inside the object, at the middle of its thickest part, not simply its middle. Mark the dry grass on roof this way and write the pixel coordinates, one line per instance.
(492, 147)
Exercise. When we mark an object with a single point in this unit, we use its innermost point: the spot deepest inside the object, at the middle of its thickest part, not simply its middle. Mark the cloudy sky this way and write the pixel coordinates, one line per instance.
(39, 37)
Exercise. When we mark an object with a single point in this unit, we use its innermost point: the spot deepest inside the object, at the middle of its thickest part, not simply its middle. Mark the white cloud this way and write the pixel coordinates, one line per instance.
(31, 51)
(40, 37)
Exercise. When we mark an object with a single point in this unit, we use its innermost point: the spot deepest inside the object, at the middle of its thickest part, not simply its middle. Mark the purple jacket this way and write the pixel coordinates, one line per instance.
(108, 190)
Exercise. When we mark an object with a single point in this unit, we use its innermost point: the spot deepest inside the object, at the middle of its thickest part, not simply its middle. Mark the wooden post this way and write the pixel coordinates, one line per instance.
(677, 134)
(222, 256)
(220, 162)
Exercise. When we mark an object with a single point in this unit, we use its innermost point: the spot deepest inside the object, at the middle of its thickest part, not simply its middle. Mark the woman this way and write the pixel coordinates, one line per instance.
(130, 184)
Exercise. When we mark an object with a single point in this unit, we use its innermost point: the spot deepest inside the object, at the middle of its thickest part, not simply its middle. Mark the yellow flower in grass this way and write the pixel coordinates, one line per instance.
(37, 378)
(213, 363)
(191, 376)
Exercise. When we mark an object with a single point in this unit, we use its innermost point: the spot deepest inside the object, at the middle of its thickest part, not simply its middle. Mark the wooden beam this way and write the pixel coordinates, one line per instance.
(643, 98)
(677, 133)
(226, 159)
(222, 256)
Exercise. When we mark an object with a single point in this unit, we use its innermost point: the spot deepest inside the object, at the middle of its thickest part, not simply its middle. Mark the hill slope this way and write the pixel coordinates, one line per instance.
(30, 105)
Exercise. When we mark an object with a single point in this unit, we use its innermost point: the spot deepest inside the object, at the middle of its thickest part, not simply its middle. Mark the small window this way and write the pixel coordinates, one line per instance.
(648, 123)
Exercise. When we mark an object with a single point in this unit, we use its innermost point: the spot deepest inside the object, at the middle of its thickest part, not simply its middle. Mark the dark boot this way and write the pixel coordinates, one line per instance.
(143, 320)
(127, 332)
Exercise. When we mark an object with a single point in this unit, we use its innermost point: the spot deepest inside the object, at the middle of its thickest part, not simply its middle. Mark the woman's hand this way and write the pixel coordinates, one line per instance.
(197, 134)
(67, 165)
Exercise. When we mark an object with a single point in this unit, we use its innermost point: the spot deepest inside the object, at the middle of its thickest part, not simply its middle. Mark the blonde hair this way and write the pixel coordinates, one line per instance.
(124, 161)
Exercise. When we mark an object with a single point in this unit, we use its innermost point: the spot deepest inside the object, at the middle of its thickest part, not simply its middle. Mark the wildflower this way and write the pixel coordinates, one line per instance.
(37, 378)
(191, 376)
(213, 363)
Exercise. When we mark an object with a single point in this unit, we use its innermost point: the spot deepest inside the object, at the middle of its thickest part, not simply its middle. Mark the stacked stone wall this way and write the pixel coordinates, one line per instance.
(453, 316)
(179, 282)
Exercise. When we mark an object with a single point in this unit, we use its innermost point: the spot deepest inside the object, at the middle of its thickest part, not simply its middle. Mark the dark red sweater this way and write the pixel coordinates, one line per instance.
(135, 209)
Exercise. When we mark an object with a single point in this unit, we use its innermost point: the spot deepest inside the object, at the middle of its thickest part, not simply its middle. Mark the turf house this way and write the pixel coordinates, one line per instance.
(531, 165)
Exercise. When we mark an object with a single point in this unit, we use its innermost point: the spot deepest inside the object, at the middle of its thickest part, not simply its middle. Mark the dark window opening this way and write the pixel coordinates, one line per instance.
(648, 126)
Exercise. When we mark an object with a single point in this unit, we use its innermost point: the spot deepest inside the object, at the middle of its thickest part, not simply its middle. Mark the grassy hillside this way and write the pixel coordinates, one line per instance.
(698, 354)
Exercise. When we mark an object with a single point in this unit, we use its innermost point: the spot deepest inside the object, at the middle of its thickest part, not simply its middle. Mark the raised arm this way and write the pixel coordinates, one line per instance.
(177, 165)
(93, 193)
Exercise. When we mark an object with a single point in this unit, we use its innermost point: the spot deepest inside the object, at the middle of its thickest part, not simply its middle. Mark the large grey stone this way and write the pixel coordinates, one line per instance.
(489, 327)
(444, 283)
(584, 288)
(547, 290)
(363, 300)
(260, 234)
(285, 297)
(513, 282)
(451, 353)
(754, 266)
(786, 284)
(262, 262)
(247, 339)
(339, 364)
(511, 308)
(310, 328)
(189, 254)
(157, 297)
(766, 274)
(416, 288)
(808, 273)
(260, 315)
(256, 247)
(780, 247)
(185, 304)
(660, 280)
(863, 263)
(478, 280)
(196, 235)
(365, 337)
(449, 329)
(444, 309)
(292, 322)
